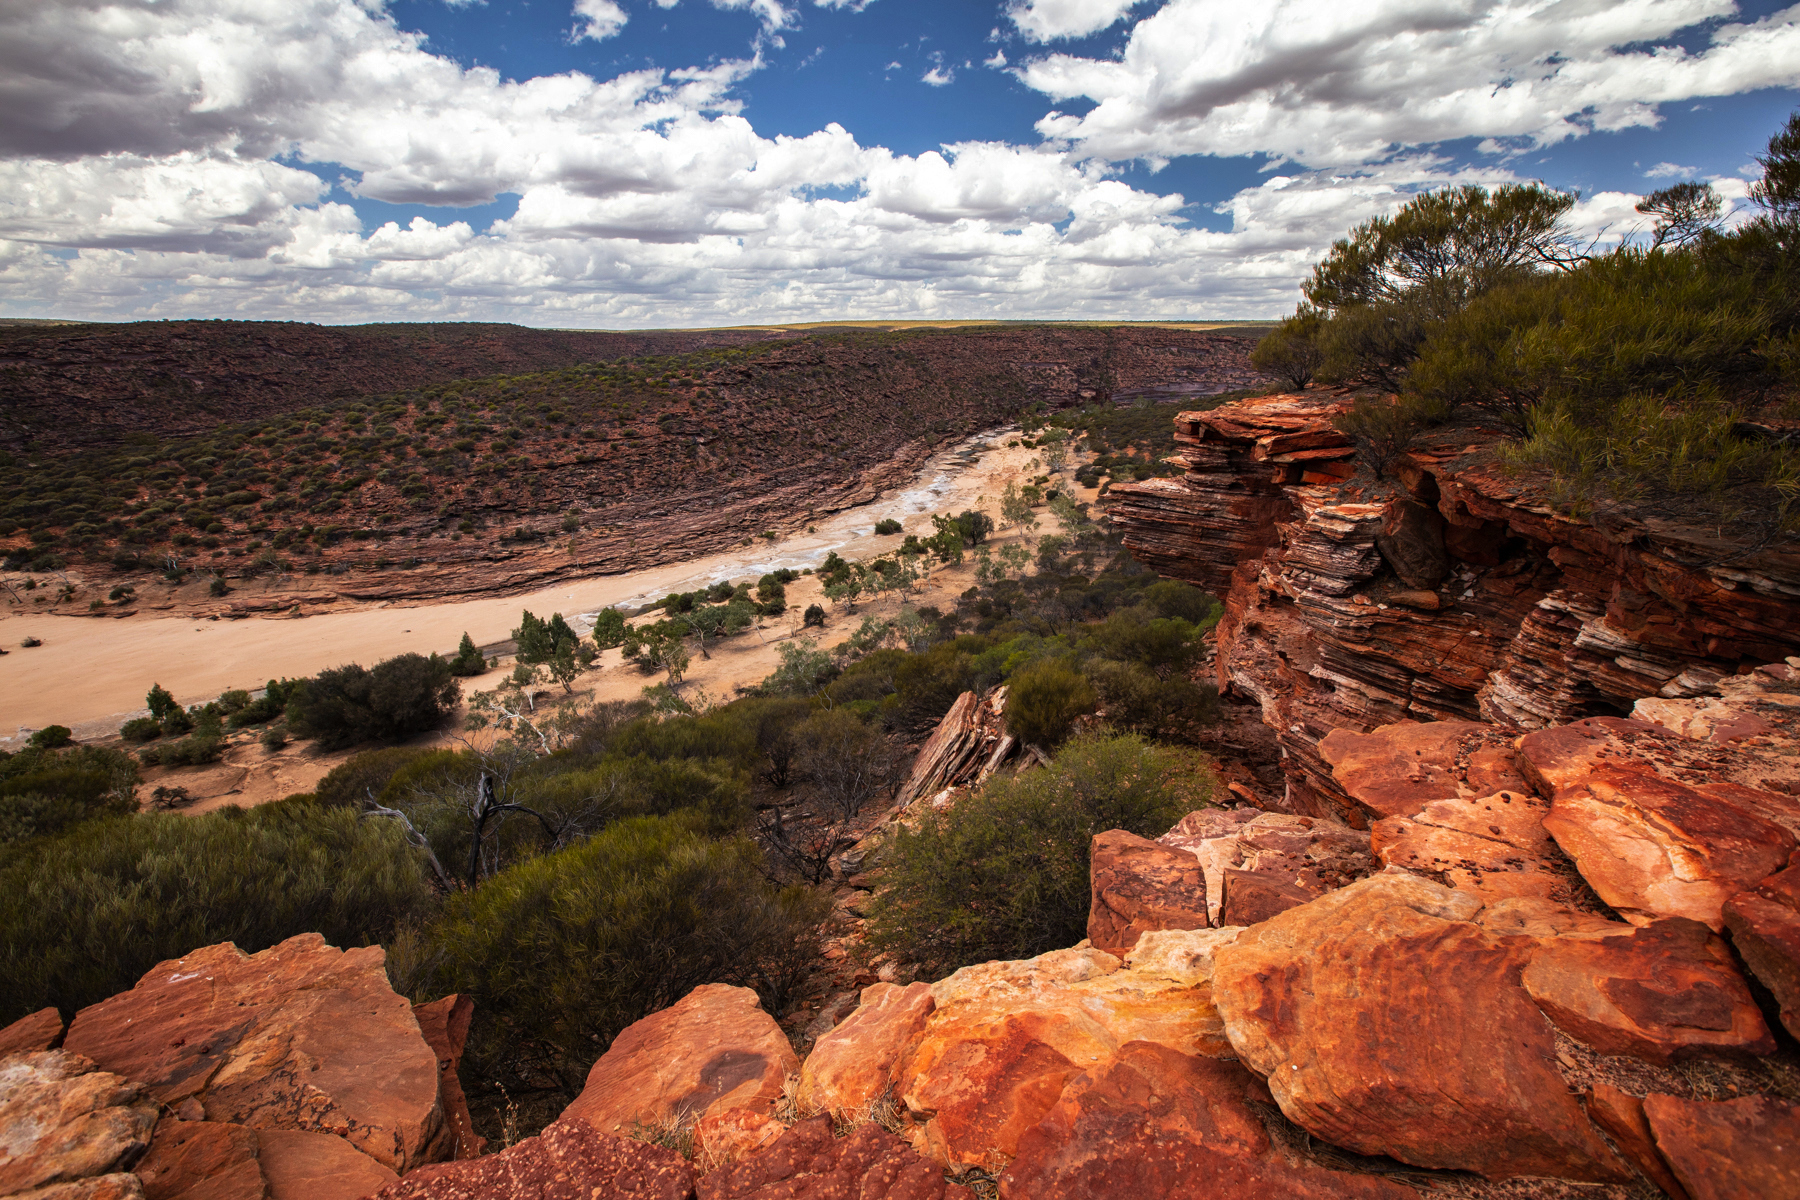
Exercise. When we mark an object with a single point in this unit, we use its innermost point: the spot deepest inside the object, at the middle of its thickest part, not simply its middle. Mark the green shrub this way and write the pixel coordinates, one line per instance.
(43, 791)
(1043, 700)
(202, 746)
(363, 777)
(468, 660)
(140, 729)
(83, 916)
(887, 527)
(1004, 873)
(562, 952)
(401, 696)
(51, 737)
(1291, 352)
(1137, 699)
(1382, 428)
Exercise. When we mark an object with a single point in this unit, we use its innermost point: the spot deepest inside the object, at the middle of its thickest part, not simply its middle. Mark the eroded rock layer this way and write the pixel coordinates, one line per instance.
(1447, 594)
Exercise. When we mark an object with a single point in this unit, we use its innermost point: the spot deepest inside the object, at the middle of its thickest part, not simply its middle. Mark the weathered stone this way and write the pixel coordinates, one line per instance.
(1765, 928)
(1153, 1122)
(809, 1163)
(1664, 993)
(851, 1066)
(201, 1160)
(1253, 896)
(1450, 1063)
(1138, 885)
(1622, 1115)
(300, 1165)
(299, 1036)
(1729, 1149)
(1006, 1036)
(444, 1024)
(1412, 542)
(42, 1030)
(1184, 956)
(1396, 770)
(1495, 846)
(968, 745)
(1310, 853)
(714, 1049)
(121, 1185)
(570, 1160)
(62, 1121)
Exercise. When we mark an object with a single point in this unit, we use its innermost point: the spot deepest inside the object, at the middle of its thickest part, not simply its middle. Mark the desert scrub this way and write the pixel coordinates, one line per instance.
(563, 951)
(1003, 873)
(84, 915)
(45, 791)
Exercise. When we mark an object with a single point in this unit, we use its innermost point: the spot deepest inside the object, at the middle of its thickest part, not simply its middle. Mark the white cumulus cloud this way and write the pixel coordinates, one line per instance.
(598, 19)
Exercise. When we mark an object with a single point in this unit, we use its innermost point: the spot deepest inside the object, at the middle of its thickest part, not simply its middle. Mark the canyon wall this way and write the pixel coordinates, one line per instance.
(1449, 592)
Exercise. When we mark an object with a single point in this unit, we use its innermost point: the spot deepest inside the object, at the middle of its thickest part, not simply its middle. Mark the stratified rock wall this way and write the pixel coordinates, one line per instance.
(1448, 593)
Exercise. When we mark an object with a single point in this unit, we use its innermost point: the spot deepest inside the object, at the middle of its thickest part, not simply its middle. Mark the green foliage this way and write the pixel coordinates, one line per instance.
(401, 696)
(1003, 874)
(202, 746)
(1684, 212)
(609, 628)
(140, 729)
(1382, 428)
(1043, 700)
(45, 790)
(51, 737)
(468, 660)
(804, 669)
(562, 952)
(160, 703)
(1293, 351)
(83, 916)
(1778, 191)
(886, 527)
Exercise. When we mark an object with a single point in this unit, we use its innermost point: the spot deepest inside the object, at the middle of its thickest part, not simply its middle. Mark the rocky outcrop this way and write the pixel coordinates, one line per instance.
(1155, 1122)
(969, 744)
(64, 1122)
(1725, 1149)
(1765, 929)
(710, 1052)
(202, 1160)
(1289, 856)
(570, 1160)
(1138, 885)
(809, 1162)
(300, 1036)
(444, 1024)
(1455, 594)
(41, 1030)
(1451, 1065)
(852, 1066)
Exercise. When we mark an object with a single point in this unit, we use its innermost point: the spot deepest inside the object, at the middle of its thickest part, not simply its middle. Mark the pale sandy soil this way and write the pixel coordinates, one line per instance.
(91, 675)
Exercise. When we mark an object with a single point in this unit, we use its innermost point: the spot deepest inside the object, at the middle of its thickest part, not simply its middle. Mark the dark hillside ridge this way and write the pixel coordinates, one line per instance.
(74, 384)
(504, 483)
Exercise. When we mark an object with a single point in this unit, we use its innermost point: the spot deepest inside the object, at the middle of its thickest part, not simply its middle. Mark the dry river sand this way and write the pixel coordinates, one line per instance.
(91, 675)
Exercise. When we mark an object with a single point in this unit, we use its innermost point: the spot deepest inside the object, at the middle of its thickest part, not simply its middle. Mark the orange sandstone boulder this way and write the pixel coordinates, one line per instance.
(1254, 896)
(1005, 1037)
(1450, 1064)
(316, 1166)
(809, 1162)
(571, 1160)
(63, 1122)
(1495, 846)
(1622, 1115)
(713, 1050)
(1664, 993)
(1395, 770)
(300, 1036)
(444, 1024)
(1138, 885)
(42, 1030)
(201, 1160)
(853, 1064)
(1765, 929)
(1153, 1122)
(1729, 1149)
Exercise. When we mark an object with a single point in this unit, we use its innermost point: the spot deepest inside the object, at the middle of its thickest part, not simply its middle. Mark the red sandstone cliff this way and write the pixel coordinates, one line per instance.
(1451, 593)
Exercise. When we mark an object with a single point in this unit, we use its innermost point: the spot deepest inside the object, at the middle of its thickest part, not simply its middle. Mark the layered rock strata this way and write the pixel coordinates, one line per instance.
(1452, 594)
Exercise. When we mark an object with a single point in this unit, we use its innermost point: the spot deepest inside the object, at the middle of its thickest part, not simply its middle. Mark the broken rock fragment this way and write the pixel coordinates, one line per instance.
(1139, 885)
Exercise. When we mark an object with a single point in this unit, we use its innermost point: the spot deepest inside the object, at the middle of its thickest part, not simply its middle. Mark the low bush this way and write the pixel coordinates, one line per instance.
(140, 729)
(51, 737)
(1043, 700)
(887, 527)
(44, 791)
(402, 696)
(84, 915)
(203, 746)
(562, 952)
(1004, 873)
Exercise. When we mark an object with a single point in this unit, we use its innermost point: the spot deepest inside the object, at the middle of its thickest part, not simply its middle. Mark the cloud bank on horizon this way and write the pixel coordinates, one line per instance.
(317, 159)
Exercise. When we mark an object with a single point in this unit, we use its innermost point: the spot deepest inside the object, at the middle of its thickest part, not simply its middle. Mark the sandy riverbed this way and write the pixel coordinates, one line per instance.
(91, 675)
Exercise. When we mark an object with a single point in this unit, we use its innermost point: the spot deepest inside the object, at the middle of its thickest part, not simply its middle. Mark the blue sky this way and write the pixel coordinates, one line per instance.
(634, 163)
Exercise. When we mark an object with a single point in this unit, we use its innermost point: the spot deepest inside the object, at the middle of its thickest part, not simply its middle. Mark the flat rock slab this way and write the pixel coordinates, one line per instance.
(1309, 853)
(1665, 993)
(852, 1065)
(1765, 929)
(713, 1050)
(201, 1160)
(1450, 1063)
(1650, 842)
(1622, 1115)
(1006, 1036)
(300, 1036)
(1153, 1122)
(1495, 846)
(571, 1160)
(809, 1162)
(1395, 770)
(1729, 1149)
(1138, 885)
(317, 1166)
(42, 1030)
(1251, 897)
(63, 1121)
